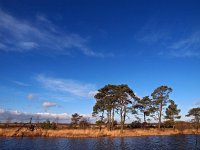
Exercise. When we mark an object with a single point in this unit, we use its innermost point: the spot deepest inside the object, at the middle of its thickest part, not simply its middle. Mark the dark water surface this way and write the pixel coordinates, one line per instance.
(183, 142)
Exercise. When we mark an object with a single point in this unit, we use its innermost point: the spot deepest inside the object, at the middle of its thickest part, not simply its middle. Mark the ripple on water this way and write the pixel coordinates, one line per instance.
(183, 142)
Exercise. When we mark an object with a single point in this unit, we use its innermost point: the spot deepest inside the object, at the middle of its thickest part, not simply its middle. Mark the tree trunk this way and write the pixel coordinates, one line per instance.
(113, 113)
(124, 118)
(108, 121)
(160, 115)
(144, 124)
(121, 120)
(102, 116)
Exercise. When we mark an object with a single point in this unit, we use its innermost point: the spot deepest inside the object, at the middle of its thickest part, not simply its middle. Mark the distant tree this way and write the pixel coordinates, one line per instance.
(172, 112)
(160, 100)
(145, 106)
(75, 119)
(84, 122)
(195, 112)
(48, 125)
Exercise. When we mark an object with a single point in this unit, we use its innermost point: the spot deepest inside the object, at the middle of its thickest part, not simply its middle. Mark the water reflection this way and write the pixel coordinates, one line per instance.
(187, 142)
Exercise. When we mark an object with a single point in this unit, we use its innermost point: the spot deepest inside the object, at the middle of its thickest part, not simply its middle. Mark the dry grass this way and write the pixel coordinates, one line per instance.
(89, 132)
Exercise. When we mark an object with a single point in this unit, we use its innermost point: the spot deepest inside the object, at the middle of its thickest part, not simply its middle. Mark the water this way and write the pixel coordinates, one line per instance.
(183, 142)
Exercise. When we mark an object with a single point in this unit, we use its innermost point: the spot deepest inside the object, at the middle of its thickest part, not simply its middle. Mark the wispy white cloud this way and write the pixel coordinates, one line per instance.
(49, 104)
(72, 87)
(20, 83)
(187, 46)
(184, 47)
(166, 42)
(39, 36)
(28, 45)
(152, 33)
(153, 37)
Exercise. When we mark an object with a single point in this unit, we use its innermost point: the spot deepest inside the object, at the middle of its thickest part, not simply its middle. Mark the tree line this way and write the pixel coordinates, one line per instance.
(112, 100)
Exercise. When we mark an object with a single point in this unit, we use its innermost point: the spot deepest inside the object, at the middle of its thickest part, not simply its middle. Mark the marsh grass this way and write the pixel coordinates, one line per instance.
(75, 133)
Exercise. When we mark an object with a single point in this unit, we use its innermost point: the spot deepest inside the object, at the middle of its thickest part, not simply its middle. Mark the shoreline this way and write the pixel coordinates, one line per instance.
(91, 133)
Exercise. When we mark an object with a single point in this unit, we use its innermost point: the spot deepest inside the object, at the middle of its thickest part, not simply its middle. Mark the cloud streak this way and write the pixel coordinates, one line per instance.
(166, 42)
(186, 47)
(72, 87)
(49, 104)
(23, 36)
(20, 83)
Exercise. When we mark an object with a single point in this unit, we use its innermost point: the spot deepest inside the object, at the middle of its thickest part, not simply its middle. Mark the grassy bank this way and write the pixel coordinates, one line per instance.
(75, 133)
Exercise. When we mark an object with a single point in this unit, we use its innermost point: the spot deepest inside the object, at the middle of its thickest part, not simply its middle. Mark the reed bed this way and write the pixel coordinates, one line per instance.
(77, 133)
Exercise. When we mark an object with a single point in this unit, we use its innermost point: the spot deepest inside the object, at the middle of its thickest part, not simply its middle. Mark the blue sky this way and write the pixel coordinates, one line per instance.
(54, 55)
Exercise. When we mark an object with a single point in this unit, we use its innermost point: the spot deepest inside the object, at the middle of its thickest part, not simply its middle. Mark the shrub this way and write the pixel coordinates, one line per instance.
(135, 124)
(48, 125)
(168, 124)
(84, 123)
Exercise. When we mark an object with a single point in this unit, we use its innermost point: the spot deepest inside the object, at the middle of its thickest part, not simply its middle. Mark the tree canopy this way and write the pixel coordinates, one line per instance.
(112, 99)
(195, 112)
(160, 99)
(145, 105)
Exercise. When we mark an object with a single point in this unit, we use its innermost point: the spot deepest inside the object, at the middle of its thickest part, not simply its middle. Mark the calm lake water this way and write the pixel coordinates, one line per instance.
(187, 142)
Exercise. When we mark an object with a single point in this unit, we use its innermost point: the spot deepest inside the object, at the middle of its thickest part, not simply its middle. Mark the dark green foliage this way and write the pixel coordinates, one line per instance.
(105, 101)
(79, 121)
(100, 123)
(160, 100)
(195, 112)
(111, 99)
(75, 118)
(168, 124)
(125, 99)
(135, 124)
(48, 125)
(145, 105)
(172, 113)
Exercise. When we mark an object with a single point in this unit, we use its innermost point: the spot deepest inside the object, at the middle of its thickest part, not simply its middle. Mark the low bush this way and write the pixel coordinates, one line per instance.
(48, 125)
(135, 124)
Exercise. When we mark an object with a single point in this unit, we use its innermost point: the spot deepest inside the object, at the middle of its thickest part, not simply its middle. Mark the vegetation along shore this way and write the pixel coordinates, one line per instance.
(116, 101)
